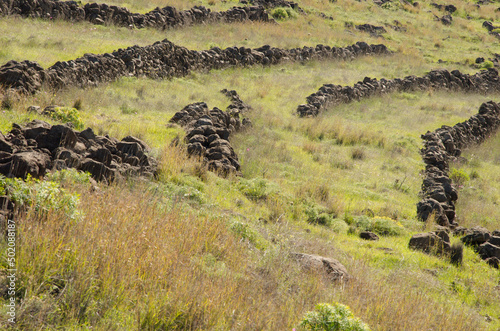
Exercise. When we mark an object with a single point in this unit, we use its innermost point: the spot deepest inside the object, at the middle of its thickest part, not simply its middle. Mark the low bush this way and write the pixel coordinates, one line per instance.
(40, 195)
(257, 188)
(67, 114)
(336, 317)
(383, 226)
(459, 177)
(281, 13)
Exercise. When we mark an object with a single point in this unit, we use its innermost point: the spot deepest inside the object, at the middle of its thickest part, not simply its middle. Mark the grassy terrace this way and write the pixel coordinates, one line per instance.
(194, 251)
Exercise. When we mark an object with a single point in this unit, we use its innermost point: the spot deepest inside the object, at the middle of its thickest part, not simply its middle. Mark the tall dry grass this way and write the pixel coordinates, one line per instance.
(139, 260)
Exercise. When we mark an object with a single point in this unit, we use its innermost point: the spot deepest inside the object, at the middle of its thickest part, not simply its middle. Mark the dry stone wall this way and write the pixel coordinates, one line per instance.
(208, 132)
(163, 59)
(329, 94)
(442, 145)
(99, 13)
(39, 147)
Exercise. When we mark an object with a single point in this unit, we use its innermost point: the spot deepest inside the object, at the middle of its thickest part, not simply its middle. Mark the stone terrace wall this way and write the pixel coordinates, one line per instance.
(161, 60)
(443, 144)
(159, 18)
(330, 94)
(208, 132)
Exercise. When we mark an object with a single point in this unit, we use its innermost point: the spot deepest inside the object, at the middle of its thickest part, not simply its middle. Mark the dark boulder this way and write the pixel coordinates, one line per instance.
(367, 235)
(429, 243)
(476, 236)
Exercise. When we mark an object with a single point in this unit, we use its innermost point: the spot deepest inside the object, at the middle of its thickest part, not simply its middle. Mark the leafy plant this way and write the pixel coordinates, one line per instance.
(336, 317)
(459, 176)
(317, 215)
(67, 114)
(257, 188)
(41, 195)
(282, 13)
(381, 225)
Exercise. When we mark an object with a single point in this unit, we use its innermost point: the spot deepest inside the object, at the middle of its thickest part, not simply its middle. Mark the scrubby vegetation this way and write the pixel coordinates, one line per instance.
(191, 250)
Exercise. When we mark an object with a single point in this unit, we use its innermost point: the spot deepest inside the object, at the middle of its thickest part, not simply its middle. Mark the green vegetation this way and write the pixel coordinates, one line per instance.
(193, 251)
(67, 115)
(337, 317)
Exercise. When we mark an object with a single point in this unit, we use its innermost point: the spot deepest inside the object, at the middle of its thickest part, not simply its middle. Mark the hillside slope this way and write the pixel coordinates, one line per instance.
(239, 190)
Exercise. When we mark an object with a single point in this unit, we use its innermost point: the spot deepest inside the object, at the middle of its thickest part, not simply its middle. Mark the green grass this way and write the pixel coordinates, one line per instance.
(191, 250)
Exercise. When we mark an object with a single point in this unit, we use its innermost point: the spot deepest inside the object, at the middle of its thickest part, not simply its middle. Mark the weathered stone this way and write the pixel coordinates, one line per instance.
(493, 261)
(29, 163)
(98, 170)
(333, 268)
(367, 235)
(476, 236)
(429, 243)
(488, 250)
(132, 139)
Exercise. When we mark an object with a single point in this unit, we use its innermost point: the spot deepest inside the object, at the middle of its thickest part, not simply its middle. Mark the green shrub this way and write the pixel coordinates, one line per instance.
(69, 175)
(386, 226)
(383, 226)
(459, 177)
(291, 13)
(246, 232)
(317, 215)
(336, 317)
(41, 195)
(67, 114)
(279, 13)
(257, 188)
(339, 226)
(487, 64)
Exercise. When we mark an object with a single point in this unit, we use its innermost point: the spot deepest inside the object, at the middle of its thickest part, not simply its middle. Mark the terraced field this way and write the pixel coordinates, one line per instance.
(231, 165)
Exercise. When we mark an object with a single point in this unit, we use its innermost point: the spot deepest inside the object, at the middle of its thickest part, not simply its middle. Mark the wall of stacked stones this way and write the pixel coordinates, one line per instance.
(329, 94)
(99, 13)
(440, 147)
(161, 60)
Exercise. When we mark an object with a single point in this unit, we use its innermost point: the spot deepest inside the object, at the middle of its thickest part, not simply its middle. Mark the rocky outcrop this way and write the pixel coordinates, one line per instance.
(208, 132)
(158, 18)
(39, 147)
(333, 269)
(442, 145)
(330, 94)
(161, 60)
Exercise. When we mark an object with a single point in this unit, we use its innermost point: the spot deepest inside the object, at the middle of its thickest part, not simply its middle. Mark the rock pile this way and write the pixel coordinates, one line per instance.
(208, 132)
(486, 244)
(330, 94)
(441, 145)
(39, 147)
(161, 60)
(99, 13)
(371, 29)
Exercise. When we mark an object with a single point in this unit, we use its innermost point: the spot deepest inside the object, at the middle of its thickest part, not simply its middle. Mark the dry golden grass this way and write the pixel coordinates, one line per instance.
(136, 260)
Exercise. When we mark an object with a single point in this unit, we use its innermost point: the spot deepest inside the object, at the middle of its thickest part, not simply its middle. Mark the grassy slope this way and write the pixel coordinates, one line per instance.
(201, 252)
